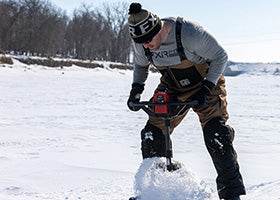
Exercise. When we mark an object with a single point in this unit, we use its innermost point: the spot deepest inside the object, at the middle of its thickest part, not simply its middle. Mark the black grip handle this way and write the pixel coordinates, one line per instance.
(182, 106)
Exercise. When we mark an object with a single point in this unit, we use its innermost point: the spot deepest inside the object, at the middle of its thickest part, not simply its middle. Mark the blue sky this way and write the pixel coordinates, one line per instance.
(249, 30)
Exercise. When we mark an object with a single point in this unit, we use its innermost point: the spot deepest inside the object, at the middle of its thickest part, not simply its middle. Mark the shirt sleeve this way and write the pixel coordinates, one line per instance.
(141, 64)
(203, 44)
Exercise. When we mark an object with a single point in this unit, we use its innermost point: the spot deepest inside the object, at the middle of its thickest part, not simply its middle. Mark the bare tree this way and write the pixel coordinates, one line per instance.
(82, 36)
(38, 27)
(9, 14)
(116, 18)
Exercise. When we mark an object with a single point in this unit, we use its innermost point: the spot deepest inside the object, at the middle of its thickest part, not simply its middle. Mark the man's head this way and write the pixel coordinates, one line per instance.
(143, 25)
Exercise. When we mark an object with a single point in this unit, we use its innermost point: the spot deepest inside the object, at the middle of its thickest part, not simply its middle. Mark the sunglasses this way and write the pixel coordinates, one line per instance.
(147, 42)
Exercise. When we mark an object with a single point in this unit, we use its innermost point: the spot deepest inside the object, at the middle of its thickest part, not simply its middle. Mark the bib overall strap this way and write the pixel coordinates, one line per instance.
(148, 54)
(180, 48)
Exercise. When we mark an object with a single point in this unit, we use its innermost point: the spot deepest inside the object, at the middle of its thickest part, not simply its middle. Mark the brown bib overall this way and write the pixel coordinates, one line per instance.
(183, 87)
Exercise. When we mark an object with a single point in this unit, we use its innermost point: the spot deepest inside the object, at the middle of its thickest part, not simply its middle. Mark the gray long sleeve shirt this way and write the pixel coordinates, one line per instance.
(199, 47)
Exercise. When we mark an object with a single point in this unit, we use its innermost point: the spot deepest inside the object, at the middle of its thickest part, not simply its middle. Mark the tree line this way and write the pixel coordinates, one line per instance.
(37, 27)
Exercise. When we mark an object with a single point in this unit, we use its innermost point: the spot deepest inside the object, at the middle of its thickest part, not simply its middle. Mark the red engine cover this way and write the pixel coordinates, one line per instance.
(161, 97)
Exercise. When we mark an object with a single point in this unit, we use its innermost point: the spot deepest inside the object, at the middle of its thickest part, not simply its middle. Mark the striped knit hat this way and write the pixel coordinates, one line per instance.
(143, 25)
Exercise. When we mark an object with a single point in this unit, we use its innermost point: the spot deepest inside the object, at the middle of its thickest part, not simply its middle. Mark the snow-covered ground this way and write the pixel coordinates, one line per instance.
(67, 134)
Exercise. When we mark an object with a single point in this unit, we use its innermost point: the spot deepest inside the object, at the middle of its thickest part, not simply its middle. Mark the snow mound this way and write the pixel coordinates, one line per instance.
(153, 182)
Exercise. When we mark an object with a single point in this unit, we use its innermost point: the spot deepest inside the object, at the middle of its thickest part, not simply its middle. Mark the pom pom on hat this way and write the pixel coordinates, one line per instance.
(135, 8)
(143, 25)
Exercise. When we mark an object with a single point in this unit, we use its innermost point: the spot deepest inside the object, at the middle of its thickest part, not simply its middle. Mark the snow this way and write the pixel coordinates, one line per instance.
(152, 181)
(67, 134)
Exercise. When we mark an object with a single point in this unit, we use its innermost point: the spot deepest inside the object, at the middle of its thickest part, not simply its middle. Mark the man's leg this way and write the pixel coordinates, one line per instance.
(153, 136)
(218, 139)
(152, 142)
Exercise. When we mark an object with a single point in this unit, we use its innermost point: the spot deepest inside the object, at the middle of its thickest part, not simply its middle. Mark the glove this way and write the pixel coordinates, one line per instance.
(203, 95)
(135, 95)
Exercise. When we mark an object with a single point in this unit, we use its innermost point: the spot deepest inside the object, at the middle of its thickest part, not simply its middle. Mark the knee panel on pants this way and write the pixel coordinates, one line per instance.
(152, 141)
(217, 136)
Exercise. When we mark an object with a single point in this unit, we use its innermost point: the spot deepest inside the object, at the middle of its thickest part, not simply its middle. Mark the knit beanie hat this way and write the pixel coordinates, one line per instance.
(143, 25)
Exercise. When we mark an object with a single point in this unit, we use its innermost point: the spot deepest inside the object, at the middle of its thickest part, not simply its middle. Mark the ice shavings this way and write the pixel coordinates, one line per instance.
(153, 182)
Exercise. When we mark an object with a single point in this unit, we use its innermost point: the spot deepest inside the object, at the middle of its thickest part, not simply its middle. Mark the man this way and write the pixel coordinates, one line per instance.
(191, 63)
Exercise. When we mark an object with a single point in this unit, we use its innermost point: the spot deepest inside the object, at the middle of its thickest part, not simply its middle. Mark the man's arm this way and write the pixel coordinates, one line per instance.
(140, 74)
(141, 65)
(203, 44)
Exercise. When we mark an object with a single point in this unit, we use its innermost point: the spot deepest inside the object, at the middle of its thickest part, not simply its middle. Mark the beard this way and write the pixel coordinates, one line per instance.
(156, 43)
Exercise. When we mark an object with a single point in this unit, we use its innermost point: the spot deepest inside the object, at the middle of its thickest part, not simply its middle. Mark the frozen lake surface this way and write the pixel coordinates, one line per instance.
(67, 134)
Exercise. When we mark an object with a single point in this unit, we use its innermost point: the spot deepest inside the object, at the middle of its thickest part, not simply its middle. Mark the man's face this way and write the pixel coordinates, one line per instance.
(155, 43)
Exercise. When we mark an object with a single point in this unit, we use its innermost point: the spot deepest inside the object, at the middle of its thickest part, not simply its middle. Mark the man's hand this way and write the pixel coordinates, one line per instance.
(203, 95)
(135, 95)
